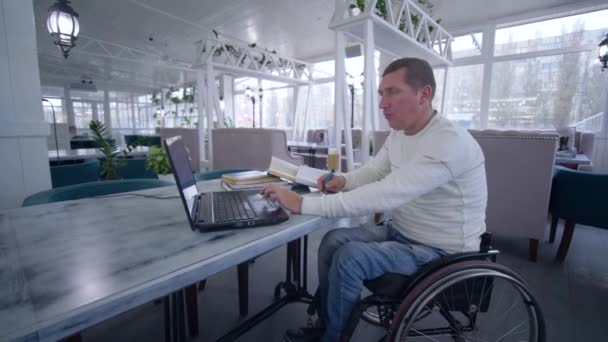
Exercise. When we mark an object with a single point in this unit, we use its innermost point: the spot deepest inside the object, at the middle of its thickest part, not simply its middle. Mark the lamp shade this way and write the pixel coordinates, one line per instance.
(602, 53)
(248, 92)
(63, 25)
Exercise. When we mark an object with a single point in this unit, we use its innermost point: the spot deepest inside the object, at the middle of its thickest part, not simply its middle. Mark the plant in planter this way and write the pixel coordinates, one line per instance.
(380, 11)
(157, 161)
(111, 162)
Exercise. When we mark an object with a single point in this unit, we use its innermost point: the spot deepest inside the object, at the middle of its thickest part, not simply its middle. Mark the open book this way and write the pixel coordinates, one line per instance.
(293, 173)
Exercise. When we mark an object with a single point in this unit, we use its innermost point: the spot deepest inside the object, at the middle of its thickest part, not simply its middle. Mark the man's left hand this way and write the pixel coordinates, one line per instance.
(287, 199)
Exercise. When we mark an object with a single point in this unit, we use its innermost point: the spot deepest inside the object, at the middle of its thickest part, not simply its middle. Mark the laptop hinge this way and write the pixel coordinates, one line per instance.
(195, 207)
(212, 208)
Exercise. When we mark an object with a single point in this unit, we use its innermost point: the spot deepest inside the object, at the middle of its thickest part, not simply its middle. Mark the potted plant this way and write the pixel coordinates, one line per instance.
(110, 163)
(113, 158)
(157, 161)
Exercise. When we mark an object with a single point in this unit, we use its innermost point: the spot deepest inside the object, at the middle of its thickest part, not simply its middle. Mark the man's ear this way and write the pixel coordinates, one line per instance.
(425, 94)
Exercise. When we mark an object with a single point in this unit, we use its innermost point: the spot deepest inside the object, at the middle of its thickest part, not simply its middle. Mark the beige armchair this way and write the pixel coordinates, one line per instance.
(379, 139)
(249, 148)
(519, 169)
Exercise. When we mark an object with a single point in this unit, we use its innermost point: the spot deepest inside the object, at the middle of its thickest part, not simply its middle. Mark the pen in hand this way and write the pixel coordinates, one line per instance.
(327, 179)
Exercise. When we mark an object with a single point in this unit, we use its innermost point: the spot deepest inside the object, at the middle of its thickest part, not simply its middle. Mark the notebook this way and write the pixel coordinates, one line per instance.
(218, 210)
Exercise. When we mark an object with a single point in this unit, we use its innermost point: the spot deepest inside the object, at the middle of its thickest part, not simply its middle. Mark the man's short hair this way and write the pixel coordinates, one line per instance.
(418, 73)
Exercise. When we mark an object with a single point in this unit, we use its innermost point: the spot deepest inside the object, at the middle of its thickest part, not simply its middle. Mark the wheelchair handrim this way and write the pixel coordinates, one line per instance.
(457, 276)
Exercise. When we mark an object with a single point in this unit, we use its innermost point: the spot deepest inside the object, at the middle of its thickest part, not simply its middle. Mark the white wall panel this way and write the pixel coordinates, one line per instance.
(23, 131)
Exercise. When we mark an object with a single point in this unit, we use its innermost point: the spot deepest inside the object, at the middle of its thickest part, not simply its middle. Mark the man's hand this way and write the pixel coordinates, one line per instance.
(334, 185)
(287, 199)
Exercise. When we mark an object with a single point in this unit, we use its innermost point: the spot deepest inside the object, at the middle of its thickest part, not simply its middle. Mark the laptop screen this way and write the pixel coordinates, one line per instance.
(182, 171)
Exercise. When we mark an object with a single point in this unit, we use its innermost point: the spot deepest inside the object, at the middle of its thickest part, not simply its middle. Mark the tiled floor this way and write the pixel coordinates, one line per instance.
(573, 295)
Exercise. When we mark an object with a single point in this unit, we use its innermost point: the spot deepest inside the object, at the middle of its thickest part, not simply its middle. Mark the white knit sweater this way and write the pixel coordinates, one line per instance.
(434, 182)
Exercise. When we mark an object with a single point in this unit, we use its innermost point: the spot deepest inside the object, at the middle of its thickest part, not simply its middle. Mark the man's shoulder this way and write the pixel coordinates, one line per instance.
(448, 141)
(446, 131)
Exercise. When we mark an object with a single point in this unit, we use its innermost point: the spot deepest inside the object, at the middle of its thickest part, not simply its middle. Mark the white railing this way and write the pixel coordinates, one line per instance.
(249, 59)
(404, 16)
(590, 124)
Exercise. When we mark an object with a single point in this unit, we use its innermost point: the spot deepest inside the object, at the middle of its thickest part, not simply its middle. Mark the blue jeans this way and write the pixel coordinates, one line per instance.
(350, 255)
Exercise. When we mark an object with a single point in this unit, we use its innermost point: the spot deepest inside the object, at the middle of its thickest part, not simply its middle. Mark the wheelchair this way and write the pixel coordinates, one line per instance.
(459, 297)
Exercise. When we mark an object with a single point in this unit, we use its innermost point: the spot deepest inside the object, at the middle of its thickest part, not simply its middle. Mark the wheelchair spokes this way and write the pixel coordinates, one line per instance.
(471, 302)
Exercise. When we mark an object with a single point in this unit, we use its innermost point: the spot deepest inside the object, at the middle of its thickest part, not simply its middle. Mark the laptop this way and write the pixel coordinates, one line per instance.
(218, 210)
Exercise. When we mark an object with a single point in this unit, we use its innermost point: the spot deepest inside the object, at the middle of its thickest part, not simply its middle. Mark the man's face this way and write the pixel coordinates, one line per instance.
(402, 105)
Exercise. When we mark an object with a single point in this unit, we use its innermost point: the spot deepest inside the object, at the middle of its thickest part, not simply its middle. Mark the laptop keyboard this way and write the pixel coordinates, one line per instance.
(228, 206)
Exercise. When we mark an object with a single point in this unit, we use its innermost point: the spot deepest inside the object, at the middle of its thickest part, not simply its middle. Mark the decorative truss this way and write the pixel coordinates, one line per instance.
(101, 48)
(401, 29)
(54, 66)
(243, 59)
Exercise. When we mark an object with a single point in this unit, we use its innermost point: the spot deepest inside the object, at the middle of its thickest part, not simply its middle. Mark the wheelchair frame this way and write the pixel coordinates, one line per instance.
(396, 312)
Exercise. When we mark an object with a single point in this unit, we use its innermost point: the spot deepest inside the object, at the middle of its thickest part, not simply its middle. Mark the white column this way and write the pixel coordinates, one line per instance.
(385, 60)
(604, 131)
(369, 85)
(107, 116)
(23, 130)
(133, 107)
(200, 103)
(340, 90)
(260, 106)
(216, 104)
(229, 97)
(69, 107)
(600, 143)
(487, 53)
(94, 110)
(209, 110)
(296, 116)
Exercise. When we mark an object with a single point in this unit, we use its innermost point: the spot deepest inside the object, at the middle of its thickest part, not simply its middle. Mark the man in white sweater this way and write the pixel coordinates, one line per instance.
(430, 173)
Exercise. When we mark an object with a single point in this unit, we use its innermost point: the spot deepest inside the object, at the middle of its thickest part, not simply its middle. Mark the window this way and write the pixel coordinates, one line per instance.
(55, 104)
(463, 95)
(572, 31)
(320, 105)
(324, 69)
(277, 108)
(83, 114)
(243, 112)
(467, 46)
(439, 78)
(120, 115)
(545, 92)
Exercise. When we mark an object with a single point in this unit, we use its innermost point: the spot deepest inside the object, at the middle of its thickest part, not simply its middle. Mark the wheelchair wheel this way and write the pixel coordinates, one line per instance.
(469, 301)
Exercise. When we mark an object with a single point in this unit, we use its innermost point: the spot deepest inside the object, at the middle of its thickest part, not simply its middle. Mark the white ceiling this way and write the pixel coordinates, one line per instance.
(296, 28)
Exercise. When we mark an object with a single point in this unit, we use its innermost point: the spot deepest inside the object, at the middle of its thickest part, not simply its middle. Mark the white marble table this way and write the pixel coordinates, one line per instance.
(89, 153)
(66, 266)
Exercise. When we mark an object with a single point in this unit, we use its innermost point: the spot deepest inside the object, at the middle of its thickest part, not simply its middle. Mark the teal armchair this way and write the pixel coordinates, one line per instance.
(70, 174)
(578, 198)
(92, 189)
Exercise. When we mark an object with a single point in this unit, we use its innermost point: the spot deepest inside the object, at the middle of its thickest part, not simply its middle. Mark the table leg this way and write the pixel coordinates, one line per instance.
(294, 291)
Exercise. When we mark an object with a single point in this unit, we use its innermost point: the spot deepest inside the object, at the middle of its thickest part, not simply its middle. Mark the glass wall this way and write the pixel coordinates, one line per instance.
(463, 95)
(544, 74)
